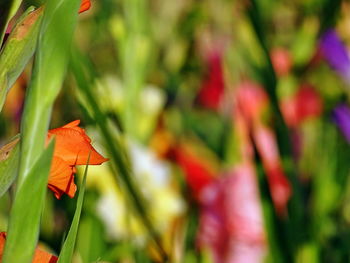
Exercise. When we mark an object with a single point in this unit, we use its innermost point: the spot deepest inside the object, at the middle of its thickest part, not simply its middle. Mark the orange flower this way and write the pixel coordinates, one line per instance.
(40, 256)
(85, 5)
(72, 148)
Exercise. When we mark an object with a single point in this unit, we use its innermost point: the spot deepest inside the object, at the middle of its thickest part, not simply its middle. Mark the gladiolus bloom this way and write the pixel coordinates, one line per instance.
(304, 105)
(40, 256)
(252, 103)
(213, 87)
(198, 172)
(341, 117)
(72, 148)
(281, 61)
(85, 5)
(231, 220)
(335, 53)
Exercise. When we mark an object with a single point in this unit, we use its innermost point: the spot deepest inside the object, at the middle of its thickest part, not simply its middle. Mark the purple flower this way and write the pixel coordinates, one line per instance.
(341, 116)
(334, 51)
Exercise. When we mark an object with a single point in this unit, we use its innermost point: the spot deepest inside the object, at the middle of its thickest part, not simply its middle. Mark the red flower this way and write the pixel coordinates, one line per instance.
(198, 172)
(279, 185)
(213, 86)
(305, 104)
(72, 147)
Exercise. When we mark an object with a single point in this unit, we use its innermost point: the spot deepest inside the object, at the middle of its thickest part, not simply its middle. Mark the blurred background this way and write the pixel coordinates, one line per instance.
(234, 118)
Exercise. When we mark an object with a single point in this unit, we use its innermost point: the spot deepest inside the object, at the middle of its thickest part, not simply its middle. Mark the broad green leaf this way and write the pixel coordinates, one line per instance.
(50, 64)
(9, 156)
(8, 10)
(18, 49)
(66, 254)
(23, 231)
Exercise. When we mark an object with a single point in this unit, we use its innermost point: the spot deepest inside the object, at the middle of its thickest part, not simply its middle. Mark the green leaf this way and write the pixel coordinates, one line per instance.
(18, 49)
(9, 156)
(66, 254)
(50, 64)
(26, 210)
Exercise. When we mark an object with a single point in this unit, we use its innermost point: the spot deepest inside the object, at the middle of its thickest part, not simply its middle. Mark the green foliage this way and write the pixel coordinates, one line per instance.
(18, 49)
(23, 229)
(49, 67)
(9, 156)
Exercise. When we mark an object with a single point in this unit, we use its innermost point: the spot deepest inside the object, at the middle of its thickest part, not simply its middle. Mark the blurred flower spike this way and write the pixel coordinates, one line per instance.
(84, 6)
(231, 220)
(281, 61)
(198, 171)
(253, 103)
(335, 53)
(306, 104)
(72, 147)
(40, 256)
(213, 87)
(341, 116)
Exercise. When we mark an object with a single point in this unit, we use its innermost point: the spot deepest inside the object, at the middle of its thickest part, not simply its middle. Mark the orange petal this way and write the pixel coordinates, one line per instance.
(40, 256)
(72, 124)
(61, 179)
(73, 147)
(2, 243)
(85, 5)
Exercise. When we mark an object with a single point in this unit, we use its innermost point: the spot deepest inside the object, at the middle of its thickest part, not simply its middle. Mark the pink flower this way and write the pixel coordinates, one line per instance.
(231, 222)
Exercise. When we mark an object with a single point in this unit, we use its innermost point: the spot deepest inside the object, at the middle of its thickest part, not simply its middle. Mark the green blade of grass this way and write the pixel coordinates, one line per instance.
(18, 49)
(66, 254)
(26, 210)
(9, 156)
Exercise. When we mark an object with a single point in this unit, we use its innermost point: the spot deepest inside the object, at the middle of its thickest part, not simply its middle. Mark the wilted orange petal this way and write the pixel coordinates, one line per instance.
(61, 179)
(85, 5)
(72, 146)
